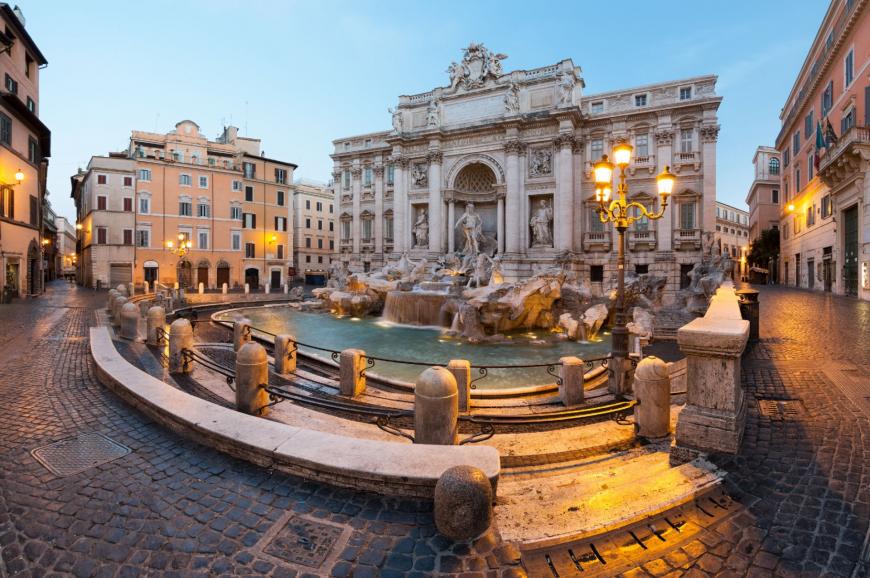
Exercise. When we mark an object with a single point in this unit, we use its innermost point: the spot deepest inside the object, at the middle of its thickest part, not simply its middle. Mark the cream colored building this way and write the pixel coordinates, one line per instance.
(25, 145)
(732, 236)
(223, 196)
(764, 199)
(314, 230)
(519, 147)
(66, 247)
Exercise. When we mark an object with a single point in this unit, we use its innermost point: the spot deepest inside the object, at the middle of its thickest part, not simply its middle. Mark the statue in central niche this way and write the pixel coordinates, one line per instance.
(421, 229)
(540, 223)
(472, 226)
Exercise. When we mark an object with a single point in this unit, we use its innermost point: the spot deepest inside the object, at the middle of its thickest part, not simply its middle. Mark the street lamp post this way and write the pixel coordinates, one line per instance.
(617, 211)
(180, 250)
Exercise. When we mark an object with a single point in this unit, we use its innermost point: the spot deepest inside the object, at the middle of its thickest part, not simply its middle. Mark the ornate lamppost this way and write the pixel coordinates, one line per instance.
(181, 250)
(619, 212)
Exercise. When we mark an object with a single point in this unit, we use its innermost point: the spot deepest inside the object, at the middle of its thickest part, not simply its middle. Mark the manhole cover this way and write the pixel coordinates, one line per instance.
(780, 409)
(74, 455)
(304, 542)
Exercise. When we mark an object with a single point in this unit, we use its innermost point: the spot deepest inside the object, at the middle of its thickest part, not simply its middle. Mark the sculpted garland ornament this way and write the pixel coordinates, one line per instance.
(478, 65)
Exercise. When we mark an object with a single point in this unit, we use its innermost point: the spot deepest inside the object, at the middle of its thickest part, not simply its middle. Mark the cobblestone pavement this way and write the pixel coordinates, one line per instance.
(172, 507)
(804, 475)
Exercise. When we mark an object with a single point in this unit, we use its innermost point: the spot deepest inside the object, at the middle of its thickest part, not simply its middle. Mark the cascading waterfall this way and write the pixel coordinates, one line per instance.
(414, 307)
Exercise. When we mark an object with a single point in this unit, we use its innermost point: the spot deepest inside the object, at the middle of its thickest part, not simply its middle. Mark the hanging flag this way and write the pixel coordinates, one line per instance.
(830, 135)
(820, 138)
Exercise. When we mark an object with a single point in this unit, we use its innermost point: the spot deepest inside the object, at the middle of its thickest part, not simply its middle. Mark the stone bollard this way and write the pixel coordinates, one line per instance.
(201, 288)
(129, 321)
(252, 371)
(120, 301)
(147, 287)
(286, 288)
(175, 285)
(463, 503)
(436, 408)
(156, 319)
(110, 299)
(131, 289)
(224, 288)
(652, 388)
(241, 332)
(122, 289)
(247, 288)
(268, 288)
(461, 370)
(180, 338)
(285, 354)
(352, 375)
(571, 375)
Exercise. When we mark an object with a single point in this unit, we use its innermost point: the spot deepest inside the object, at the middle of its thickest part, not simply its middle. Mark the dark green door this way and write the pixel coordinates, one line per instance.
(850, 250)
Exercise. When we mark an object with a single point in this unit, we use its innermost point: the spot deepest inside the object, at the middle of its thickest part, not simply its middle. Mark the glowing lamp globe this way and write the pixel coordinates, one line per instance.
(603, 170)
(622, 154)
(665, 183)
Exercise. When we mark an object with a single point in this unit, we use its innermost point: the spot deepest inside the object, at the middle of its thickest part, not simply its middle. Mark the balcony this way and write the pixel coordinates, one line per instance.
(642, 163)
(597, 241)
(641, 240)
(843, 160)
(690, 159)
(687, 239)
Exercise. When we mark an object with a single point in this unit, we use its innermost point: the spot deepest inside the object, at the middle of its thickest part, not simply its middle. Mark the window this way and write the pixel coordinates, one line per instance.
(332, 228)
(795, 143)
(808, 126)
(774, 166)
(640, 100)
(811, 216)
(34, 210)
(102, 234)
(11, 84)
(596, 273)
(235, 212)
(249, 194)
(810, 165)
(330, 208)
(687, 215)
(202, 239)
(250, 251)
(101, 202)
(848, 121)
(143, 238)
(128, 236)
(203, 182)
(31, 105)
(319, 206)
(331, 245)
(185, 208)
(827, 99)
(826, 206)
(320, 243)
(641, 145)
(144, 205)
(797, 179)
(280, 251)
(595, 224)
(345, 179)
(367, 176)
(308, 258)
(279, 198)
(280, 223)
(101, 179)
(686, 93)
(307, 204)
(281, 176)
(345, 229)
(596, 149)
(236, 240)
(319, 225)
(28, 64)
(237, 185)
(144, 174)
(249, 221)
(367, 229)
(347, 146)
(320, 258)
(368, 143)
(249, 169)
(128, 204)
(774, 196)
(796, 224)
(32, 150)
(391, 174)
(5, 129)
(786, 156)
(184, 180)
(203, 210)
(596, 107)
(849, 68)
(307, 223)
(307, 242)
(687, 140)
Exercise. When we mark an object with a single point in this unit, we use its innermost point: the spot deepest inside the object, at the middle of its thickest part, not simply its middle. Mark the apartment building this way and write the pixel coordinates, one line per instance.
(763, 198)
(25, 145)
(824, 144)
(314, 230)
(224, 197)
(732, 236)
(66, 247)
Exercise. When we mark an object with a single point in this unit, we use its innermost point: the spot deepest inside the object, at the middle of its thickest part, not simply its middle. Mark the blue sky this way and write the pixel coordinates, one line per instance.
(299, 74)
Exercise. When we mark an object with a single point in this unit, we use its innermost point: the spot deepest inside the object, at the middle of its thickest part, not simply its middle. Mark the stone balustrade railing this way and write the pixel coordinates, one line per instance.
(715, 411)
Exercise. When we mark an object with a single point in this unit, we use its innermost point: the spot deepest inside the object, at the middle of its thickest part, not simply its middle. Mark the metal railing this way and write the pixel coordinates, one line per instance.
(191, 355)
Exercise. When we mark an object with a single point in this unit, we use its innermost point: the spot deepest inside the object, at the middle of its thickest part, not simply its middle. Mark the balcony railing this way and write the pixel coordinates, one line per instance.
(641, 162)
(596, 241)
(687, 239)
(641, 239)
(857, 135)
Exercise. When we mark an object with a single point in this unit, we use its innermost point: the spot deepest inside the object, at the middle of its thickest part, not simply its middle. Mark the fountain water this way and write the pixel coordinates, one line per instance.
(414, 307)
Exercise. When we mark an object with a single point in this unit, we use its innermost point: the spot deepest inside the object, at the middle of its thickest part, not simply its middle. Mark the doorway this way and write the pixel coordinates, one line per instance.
(252, 278)
(275, 280)
(202, 275)
(850, 250)
(151, 269)
(184, 274)
(811, 273)
(223, 275)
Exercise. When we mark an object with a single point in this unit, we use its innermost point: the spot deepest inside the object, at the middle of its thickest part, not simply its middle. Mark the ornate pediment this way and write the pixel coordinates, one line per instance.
(478, 65)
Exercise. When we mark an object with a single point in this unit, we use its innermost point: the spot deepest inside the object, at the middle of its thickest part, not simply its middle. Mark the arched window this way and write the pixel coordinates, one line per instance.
(774, 166)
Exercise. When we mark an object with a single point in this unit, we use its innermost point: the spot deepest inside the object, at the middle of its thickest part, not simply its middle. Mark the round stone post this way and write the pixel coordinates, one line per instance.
(129, 321)
(119, 302)
(436, 408)
(571, 386)
(286, 288)
(224, 288)
(285, 354)
(180, 338)
(247, 288)
(461, 370)
(463, 503)
(252, 372)
(352, 375)
(147, 287)
(123, 290)
(241, 332)
(201, 288)
(156, 320)
(110, 300)
(652, 387)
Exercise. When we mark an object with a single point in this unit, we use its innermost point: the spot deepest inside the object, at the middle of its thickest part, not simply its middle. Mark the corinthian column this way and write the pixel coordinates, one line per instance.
(379, 209)
(664, 226)
(436, 219)
(400, 201)
(564, 202)
(513, 201)
(709, 136)
(356, 183)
